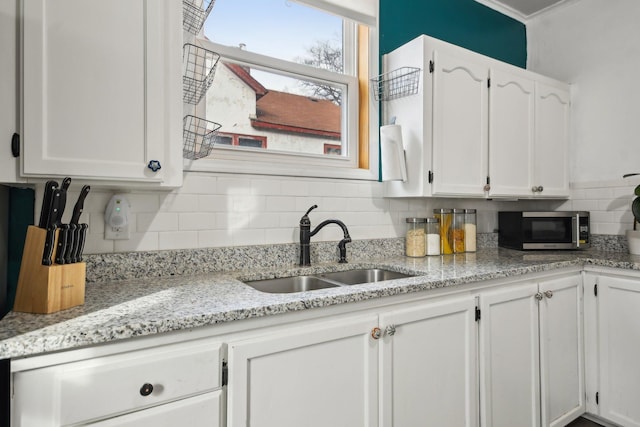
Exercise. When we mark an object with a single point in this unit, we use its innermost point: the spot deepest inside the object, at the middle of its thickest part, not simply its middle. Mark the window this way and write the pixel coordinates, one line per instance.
(286, 89)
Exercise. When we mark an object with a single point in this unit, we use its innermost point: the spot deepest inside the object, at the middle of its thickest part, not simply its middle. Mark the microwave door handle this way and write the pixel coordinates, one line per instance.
(575, 222)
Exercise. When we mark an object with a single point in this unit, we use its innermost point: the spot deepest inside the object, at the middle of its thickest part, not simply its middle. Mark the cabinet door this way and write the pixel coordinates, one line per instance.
(619, 333)
(317, 375)
(201, 411)
(101, 92)
(8, 84)
(561, 351)
(460, 118)
(509, 357)
(429, 365)
(551, 141)
(511, 114)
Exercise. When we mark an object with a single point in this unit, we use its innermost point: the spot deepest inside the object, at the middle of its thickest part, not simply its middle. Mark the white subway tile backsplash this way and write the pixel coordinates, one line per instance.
(199, 183)
(138, 242)
(143, 202)
(295, 187)
(179, 202)
(232, 221)
(245, 237)
(157, 222)
(249, 203)
(214, 203)
(280, 204)
(234, 186)
(262, 186)
(95, 244)
(214, 238)
(264, 220)
(282, 235)
(323, 188)
(177, 240)
(197, 221)
(95, 221)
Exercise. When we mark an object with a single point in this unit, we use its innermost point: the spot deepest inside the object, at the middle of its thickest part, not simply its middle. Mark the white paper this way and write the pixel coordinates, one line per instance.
(394, 164)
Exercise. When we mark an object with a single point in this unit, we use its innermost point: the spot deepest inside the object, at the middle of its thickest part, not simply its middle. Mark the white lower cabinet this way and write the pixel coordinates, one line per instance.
(429, 365)
(152, 381)
(531, 363)
(313, 375)
(618, 347)
(327, 374)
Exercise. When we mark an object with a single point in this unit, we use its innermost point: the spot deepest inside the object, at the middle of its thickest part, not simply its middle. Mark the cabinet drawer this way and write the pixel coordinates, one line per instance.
(200, 411)
(112, 385)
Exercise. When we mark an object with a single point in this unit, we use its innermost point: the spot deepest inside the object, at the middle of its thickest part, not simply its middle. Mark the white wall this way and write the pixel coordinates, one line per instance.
(595, 46)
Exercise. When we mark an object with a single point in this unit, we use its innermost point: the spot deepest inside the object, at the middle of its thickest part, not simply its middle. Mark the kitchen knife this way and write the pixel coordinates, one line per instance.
(64, 228)
(50, 237)
(80, 245)
(49, 187)
(73, 239)
(63, 199)
(63, 243)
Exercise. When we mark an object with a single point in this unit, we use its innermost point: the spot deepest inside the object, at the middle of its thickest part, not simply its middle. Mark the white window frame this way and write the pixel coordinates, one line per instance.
(239, 160)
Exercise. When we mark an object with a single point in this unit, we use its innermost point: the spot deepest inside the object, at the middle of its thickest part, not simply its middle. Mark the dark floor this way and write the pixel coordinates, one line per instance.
(583, 422)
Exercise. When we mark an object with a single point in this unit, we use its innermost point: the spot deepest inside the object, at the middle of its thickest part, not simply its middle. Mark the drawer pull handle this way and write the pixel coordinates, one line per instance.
(146, 389)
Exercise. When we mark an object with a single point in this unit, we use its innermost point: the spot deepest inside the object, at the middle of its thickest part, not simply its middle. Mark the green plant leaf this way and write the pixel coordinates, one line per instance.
(637, 191)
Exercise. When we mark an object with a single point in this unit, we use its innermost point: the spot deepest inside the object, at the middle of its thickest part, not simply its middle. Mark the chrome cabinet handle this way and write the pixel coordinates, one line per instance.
(376, 333)
(390, 330)
(548, 294)
(539, 296)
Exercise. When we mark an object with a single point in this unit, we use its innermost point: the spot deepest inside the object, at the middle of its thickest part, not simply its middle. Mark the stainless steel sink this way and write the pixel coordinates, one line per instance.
(368, 275)
(325, 280)
(290, 284)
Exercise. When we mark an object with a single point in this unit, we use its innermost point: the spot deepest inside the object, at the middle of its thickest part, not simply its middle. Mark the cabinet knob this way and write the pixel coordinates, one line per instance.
(376, 333)
(154, 165)
(146, 389)
(487, 187)
(534, 189)
(540, 188)
(548, 294)
(390, 330)
(539, 296)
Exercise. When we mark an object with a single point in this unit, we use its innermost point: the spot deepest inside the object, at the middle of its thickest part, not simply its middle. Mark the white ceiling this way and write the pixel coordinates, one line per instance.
(523, 10)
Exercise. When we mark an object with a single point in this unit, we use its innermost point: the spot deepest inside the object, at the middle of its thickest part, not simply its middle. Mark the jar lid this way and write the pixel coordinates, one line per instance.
(458, 211)
(416, 220)
(433, 220)
(442, 211)
(469, 211)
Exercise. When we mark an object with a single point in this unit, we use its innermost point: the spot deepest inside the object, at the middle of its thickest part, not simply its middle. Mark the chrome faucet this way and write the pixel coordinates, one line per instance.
(306, 234)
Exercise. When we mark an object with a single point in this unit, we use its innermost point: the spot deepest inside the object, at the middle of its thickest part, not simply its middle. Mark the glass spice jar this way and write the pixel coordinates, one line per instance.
(415, 239)
(445, 216)
(433, 236)
(457, 231)
(470, 230)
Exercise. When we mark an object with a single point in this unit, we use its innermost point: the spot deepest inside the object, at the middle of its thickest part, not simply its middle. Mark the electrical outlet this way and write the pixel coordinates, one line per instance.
(117, 233)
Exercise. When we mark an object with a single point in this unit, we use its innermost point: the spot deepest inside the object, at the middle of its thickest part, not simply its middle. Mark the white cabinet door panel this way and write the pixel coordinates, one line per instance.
(561, 351)
(313, 376)
(619, 333)
(511, 121)
(429, 365)
(8, 84)
(460, 119)
(97, 88)
(552, 141)
(509, 357)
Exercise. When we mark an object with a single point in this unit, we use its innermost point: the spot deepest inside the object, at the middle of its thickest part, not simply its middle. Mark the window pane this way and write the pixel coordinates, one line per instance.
(223, 140)
(282, 113)
(279, 28)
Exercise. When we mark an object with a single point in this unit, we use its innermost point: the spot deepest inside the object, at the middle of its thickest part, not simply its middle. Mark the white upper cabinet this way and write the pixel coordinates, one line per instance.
(551, 176)
(478, 127)
(511, 121)
(460, 112)
(8, 93)
(101, 90)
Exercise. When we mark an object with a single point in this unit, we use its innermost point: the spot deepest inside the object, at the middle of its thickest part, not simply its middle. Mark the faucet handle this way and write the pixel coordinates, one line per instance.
(305, 218)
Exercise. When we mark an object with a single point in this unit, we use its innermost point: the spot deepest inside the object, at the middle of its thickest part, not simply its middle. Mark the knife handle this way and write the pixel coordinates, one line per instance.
(63, 241)
(49, 241)
(71, 244)
(83, 236)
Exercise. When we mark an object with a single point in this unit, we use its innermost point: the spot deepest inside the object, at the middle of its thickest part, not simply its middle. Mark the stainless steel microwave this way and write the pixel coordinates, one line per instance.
(544, 230)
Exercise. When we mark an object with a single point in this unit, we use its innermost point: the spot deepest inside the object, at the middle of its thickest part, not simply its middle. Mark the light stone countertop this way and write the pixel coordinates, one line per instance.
(142, 307)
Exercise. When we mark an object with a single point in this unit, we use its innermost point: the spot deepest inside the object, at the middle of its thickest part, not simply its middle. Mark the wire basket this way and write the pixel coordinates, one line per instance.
(395, 84)
(198, 70)
(194, 13)
(199, 135)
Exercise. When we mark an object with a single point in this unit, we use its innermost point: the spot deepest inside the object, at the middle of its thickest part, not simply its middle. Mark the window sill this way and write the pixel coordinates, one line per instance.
(260, 168)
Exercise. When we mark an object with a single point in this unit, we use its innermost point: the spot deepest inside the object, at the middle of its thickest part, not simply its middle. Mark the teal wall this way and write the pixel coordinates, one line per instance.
(465, 23)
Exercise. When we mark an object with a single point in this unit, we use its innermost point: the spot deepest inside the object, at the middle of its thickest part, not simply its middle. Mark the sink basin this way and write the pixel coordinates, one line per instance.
(354, 277)
(290, 284)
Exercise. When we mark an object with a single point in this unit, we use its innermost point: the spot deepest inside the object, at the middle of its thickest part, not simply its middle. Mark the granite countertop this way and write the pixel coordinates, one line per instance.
(141, 307)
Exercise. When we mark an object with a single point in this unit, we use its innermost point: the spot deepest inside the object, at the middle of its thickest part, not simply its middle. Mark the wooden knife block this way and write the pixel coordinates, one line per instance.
(47, 288)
